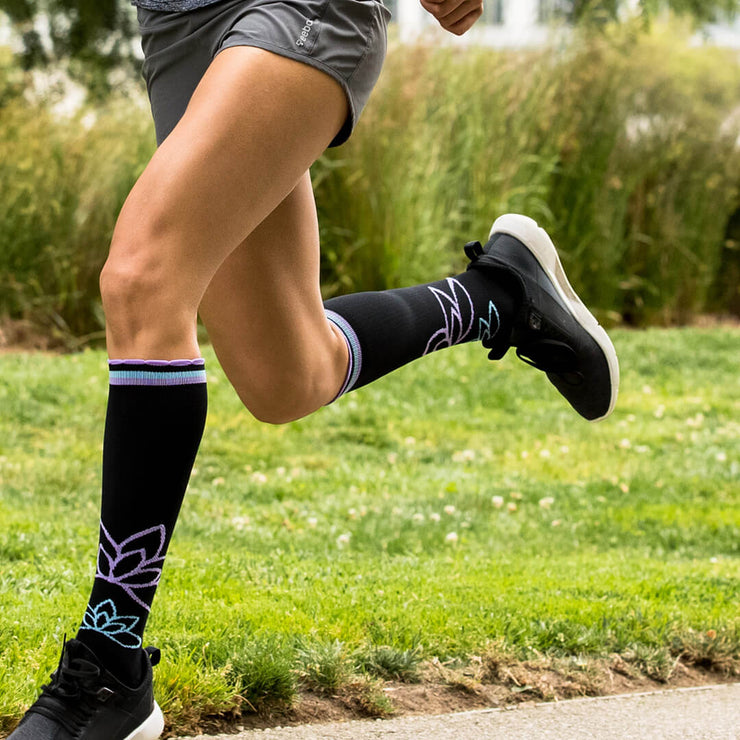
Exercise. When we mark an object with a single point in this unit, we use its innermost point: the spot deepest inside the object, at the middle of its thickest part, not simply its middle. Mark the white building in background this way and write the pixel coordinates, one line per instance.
(505, 24)
(722, 35)
(518, 24)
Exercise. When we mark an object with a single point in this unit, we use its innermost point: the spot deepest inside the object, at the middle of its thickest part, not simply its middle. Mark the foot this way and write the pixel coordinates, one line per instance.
(553, 331)
(85, 702)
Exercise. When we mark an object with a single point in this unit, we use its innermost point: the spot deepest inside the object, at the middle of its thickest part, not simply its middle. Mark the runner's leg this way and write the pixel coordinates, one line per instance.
(253, 126)
(266, 320)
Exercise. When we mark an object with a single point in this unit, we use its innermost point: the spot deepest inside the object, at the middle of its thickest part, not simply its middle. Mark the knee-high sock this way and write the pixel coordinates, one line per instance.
(387, 329)
(155, 419)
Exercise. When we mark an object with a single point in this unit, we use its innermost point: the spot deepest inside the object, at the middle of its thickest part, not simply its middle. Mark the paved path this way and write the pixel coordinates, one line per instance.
(711, 713)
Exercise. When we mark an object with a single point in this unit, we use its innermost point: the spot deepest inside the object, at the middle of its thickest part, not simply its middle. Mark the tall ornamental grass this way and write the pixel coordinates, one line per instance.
(623, 144)
(62, 184)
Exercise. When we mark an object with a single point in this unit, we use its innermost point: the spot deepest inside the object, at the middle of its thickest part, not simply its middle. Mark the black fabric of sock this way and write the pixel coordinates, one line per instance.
(152, 434)
(390, 328)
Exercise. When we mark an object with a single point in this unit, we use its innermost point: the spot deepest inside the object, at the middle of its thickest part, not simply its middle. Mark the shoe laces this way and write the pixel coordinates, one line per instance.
(73, 695)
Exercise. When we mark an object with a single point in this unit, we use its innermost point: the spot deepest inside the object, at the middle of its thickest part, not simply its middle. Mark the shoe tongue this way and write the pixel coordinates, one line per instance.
(79, 657)
(77, 649)
(78, 665)
(76, 652)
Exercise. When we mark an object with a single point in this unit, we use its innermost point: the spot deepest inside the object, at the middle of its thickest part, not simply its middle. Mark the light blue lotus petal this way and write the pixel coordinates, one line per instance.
(104, 619)
(127, 640)
(122, 624)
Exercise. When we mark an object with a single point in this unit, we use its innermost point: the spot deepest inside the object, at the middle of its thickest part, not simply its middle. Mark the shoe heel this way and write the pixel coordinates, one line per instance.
(151, 729)
(530, 233)
(538, 241)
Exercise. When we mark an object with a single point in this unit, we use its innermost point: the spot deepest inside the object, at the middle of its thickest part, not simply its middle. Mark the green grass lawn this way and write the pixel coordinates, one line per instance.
(450, 505)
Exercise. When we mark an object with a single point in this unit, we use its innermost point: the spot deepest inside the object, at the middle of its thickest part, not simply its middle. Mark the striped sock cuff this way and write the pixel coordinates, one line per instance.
(355, 352)
(157, 372)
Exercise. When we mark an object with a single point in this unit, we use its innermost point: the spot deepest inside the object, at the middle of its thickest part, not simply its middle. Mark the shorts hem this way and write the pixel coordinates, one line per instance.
(349, 124)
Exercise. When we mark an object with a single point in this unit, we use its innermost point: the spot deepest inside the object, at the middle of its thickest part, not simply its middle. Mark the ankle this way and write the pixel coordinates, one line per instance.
(124, 664)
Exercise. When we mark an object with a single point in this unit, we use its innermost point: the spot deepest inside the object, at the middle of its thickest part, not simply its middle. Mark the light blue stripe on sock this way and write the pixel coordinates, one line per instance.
(147, 377)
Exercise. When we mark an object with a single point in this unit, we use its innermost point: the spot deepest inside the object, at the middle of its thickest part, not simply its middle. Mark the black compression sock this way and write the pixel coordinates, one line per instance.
(387, 329)
(155, 419)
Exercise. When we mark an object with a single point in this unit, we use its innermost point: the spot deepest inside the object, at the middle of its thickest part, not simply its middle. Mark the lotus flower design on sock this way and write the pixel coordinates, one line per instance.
(458, 312)
(104, 618)
(134, 563)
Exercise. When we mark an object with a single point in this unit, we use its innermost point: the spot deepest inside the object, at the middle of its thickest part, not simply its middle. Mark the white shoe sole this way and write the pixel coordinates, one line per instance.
(151, 729)
(538, 241)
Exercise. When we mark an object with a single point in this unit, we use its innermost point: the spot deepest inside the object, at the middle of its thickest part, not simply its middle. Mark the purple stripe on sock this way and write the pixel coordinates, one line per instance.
(355, 351)
(158, 363)
(348, 376)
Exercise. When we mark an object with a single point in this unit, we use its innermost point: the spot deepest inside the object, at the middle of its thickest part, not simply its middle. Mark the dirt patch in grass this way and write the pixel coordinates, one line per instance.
(481, 685)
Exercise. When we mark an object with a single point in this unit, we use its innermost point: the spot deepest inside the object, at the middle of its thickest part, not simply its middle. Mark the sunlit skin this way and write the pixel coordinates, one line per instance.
(222, 222)
(455, 16)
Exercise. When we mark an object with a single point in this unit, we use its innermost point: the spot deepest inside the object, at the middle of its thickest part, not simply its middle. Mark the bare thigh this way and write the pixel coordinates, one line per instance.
(265, 316)
(254, 125)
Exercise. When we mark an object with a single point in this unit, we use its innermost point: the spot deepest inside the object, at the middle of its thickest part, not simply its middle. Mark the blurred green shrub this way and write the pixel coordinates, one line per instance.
(624, 145)
(62, 183)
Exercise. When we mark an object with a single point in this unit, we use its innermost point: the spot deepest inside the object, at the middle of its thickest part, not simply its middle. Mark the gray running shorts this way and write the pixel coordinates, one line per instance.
(344, 38)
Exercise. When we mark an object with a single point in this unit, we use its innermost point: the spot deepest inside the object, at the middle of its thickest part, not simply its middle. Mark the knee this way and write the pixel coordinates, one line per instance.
(125, 285)
(282, 396)
(140, 297)
(280, 385)
(128, 286)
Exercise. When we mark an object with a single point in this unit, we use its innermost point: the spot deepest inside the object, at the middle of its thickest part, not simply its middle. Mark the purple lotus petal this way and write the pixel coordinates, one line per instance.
(134, 563)
(151, 540)
(105, 561)
(112, 545)
(144, 578)
(129, 562)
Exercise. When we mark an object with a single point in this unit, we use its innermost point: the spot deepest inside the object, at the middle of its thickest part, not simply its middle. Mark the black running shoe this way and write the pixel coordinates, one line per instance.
(553, 331)
(85, 702)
